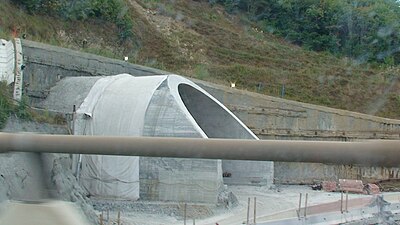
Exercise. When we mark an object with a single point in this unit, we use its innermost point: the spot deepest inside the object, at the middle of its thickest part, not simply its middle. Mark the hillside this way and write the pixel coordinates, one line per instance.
(195, 39)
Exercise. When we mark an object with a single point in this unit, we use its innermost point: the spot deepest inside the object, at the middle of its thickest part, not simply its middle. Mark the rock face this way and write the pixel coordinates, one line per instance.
(20, 177)
(34, 177)
(63, 185)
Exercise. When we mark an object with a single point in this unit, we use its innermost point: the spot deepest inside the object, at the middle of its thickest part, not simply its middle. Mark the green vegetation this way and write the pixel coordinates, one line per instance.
(114, 11)
(367, 30)
(21, 109)
(224, 43)
(201, 71)
(6, 104)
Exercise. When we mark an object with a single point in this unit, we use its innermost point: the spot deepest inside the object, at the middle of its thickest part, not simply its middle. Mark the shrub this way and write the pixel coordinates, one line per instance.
(6, 105)
(108, 10)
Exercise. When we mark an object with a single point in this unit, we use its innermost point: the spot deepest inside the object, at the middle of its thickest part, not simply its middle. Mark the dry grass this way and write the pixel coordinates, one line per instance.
(194, 39)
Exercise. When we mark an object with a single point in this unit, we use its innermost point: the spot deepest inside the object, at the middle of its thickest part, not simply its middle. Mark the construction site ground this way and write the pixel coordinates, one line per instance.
(272, 203)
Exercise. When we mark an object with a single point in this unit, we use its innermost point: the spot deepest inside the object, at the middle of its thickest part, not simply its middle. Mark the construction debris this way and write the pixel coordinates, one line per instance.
(329, 186)
(372, 189)
(352, 186)
(389, 185)
(345, 185)
(316, 187)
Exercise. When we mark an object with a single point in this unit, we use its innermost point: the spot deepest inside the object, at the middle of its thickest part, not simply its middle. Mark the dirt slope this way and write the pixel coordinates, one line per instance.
(194, 39)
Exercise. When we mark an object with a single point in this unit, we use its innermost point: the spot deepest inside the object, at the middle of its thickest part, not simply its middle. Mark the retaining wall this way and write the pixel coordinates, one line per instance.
(268, 117)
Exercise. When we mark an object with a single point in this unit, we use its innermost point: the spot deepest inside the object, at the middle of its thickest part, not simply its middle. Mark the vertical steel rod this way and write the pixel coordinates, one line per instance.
(119, 218)
(341, 202)
(73, 119)
(305, 206)
(108, 216)
(248, 211)
(184, 214)
(347, 200)
(101, 218)
(298, 213)
(255, 210)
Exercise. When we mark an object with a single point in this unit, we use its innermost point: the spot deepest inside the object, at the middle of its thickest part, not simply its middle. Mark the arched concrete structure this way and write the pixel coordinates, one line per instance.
(160, 106)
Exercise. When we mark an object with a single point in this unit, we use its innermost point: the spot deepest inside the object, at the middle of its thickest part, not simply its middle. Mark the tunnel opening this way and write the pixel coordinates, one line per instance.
(214, 120)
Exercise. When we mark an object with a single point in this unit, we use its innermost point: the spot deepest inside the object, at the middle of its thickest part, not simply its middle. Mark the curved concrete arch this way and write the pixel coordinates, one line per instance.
(159, 106)
(213, 118)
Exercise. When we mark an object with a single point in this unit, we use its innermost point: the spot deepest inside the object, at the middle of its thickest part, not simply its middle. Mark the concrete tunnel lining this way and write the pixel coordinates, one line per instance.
(212, 118)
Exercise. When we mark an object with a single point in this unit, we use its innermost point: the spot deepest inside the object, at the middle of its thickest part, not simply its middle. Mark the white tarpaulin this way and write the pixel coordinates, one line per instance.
(115, 106)
(157, 106)
(7, 61)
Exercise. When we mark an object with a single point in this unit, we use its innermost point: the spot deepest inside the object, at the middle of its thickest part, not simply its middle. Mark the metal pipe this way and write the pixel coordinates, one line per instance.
(378, 153)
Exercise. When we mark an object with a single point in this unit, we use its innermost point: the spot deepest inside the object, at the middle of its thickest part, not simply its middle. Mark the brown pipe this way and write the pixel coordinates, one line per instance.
(374, 153)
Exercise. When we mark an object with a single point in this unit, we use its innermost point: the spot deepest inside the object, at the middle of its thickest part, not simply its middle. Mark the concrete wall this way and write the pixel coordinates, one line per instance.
(306, 173)
(46, 64)
(174, 179)
(280, 119)
(267, 117)
(275, 118)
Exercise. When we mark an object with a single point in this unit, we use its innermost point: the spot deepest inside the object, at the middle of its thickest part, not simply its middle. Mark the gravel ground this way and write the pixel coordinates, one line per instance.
(269, 201)
(22, 178)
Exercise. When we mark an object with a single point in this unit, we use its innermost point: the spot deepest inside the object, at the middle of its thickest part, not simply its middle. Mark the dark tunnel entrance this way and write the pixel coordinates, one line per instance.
(214, 120)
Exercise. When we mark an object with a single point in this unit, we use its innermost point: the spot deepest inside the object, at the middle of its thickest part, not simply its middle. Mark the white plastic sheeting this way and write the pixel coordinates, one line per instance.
(124, 105)
(7, 61)
(114, 106)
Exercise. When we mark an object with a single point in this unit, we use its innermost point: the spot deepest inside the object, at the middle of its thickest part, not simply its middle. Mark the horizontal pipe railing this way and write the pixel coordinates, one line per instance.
(373, 153)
